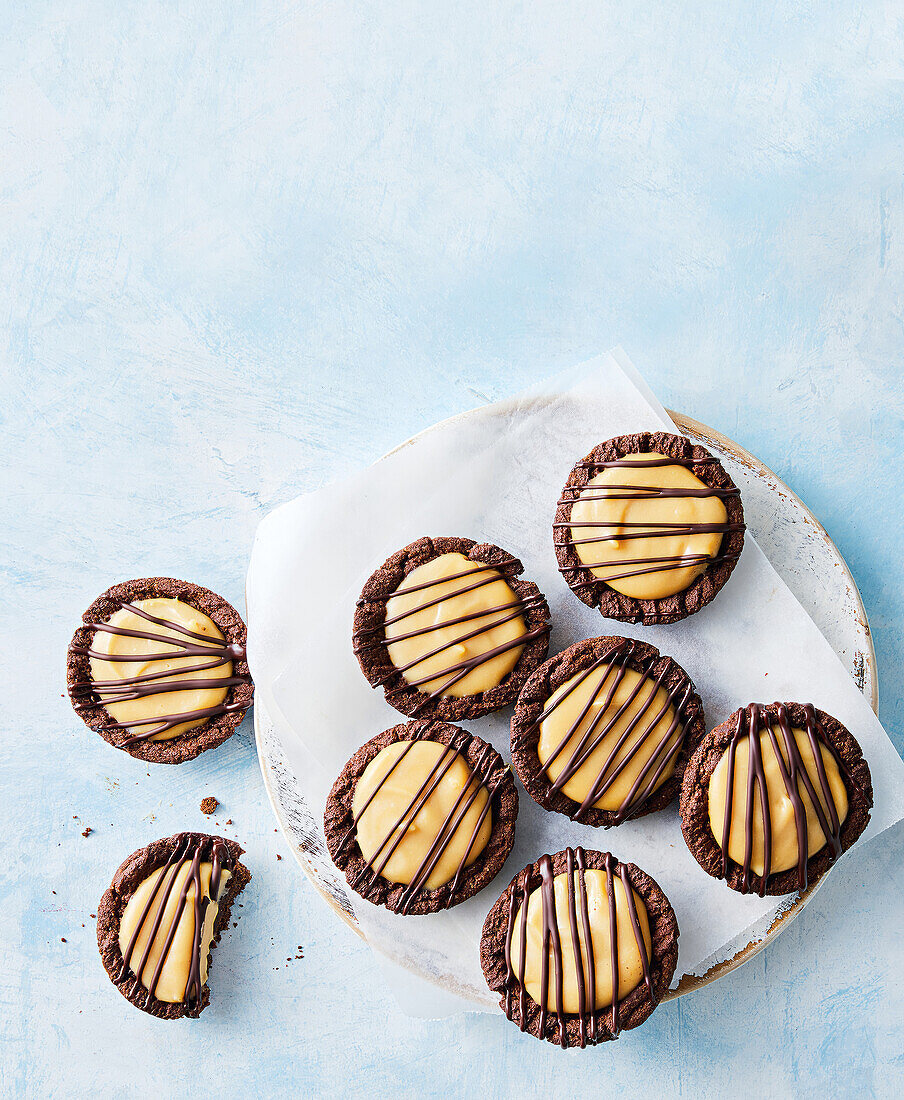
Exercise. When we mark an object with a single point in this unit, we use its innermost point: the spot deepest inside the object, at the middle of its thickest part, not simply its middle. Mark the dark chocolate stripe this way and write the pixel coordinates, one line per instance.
(88, 694)
(617, 660)
(482, 778)
(575, 862)
(751, 720)
(651, 530)
(457, 671)
(220, 859)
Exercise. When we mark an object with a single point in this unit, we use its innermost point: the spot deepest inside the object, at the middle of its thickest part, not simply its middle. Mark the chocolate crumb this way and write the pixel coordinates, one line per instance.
(62, 939)
(87, 831)
(209, 805)
(278, 856)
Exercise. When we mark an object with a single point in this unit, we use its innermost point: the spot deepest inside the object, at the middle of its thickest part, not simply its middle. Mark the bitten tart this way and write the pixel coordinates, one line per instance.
(449, 630)
(789, 787)
(158, 669)
(648, 528)
(165, 910)
(603, 730)
(422, 817)
(580, 947)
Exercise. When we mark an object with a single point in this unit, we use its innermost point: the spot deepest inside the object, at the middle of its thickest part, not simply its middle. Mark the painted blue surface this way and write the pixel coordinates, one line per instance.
(246, 247)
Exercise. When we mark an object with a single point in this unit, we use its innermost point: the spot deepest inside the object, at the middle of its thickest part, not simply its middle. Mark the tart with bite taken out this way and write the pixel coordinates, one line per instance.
(163, 913)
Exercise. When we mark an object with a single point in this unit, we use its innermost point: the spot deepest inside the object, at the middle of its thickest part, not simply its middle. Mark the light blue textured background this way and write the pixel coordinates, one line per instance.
(246, 247)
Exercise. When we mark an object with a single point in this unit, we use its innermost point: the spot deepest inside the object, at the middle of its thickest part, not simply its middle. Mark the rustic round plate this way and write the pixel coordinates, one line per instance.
(801, 552)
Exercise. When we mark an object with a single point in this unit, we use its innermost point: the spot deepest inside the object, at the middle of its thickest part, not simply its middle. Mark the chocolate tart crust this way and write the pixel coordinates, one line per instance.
(368, 634)
(112, 905)
(669, 609)
(555, 672)
(694, 805)
(195, 741)
(338, 820)
(634, 1008)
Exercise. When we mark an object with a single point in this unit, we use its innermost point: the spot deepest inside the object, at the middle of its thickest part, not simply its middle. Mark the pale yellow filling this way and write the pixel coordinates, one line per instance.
(174, 974)
(430, 615)
(170, 661)
(647, 738)
(784, 828)
(397, 773)
(608, 559)
(630, 962)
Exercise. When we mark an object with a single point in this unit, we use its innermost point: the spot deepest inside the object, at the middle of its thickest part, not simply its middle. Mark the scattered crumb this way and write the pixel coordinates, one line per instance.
(209, 805)
(278, 856)
(93, 916)
(87, 831)
(75, 817)
(229, 821)
(62, 939)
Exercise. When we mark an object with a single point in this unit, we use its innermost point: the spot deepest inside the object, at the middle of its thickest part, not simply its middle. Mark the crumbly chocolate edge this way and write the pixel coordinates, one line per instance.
(338, 820)
(187, 745)
(668, 609)
(128, 877)
(635, 1007)
(694, 801)
(550, 676)
(370, 615)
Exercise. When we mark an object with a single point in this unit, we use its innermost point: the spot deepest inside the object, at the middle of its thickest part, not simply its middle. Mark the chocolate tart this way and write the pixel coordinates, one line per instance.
(499, 953)
(594, 591)
(339, 822)
(222, 721)
(165, 853)
(371, 645)
(657, 670)
(694, 805)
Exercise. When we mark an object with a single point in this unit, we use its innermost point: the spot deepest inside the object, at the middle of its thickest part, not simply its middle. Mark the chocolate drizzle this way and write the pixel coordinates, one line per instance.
(519, 894)
(369, 639)
(487, 774)
(193, 850)
(617, 659)
(629, 531)
(751, 721)
(212, 653)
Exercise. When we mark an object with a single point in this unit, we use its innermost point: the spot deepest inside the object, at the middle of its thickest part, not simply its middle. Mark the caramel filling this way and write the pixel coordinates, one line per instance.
(174, 973)
(164, 665)
(784, 828)
(630, 970)
(634, 530)
(419, 814)
(453, 627)
(610, 736)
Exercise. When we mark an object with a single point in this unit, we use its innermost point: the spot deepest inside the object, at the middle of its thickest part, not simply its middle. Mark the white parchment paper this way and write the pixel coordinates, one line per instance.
(496, 478)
